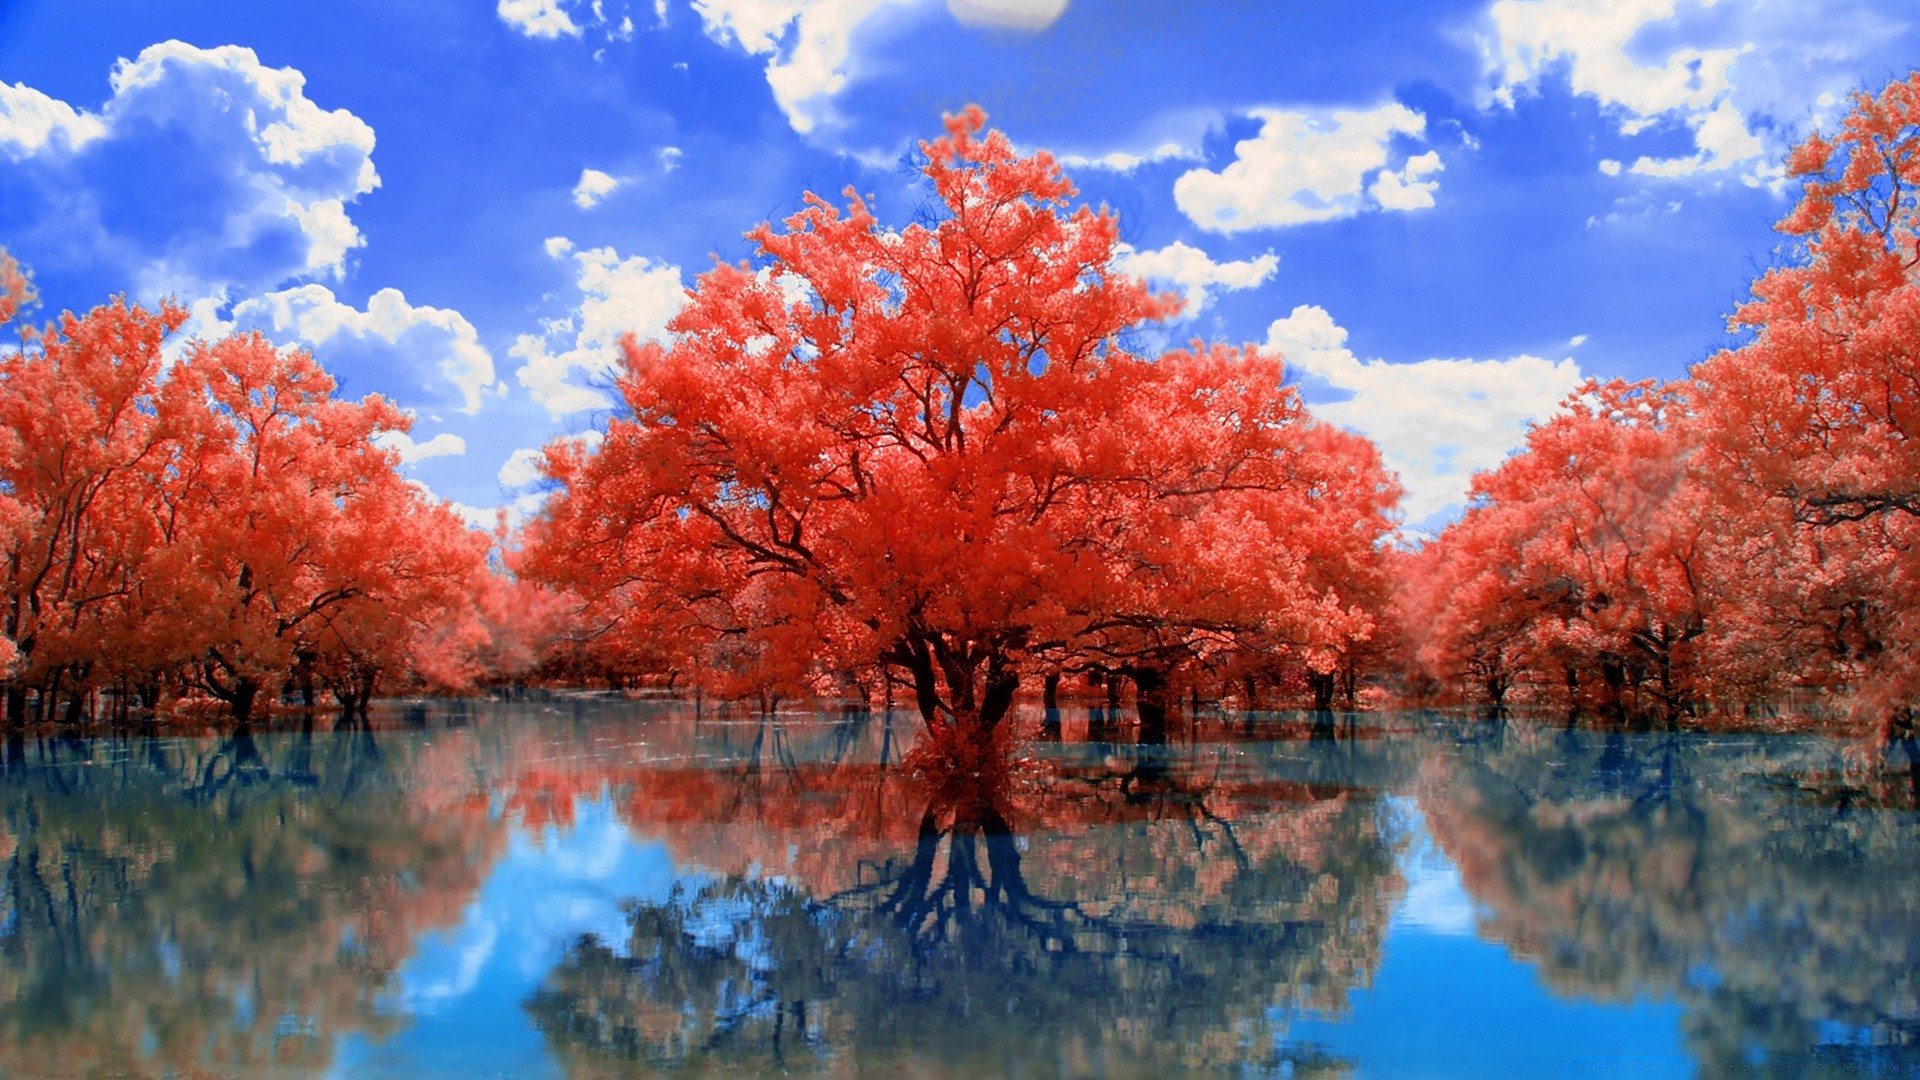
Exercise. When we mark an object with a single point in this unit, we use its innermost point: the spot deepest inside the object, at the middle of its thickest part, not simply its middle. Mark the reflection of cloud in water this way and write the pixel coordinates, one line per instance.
(580, 869)
(447, 965)
(588, 850)
(1436, 901)
(549, 890)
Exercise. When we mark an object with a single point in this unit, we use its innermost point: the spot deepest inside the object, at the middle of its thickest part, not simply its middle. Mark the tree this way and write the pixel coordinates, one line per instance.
(1584, 557)
(1818, 411)
(303, 550)
(224, 522)
(81, 439)
(925, 448)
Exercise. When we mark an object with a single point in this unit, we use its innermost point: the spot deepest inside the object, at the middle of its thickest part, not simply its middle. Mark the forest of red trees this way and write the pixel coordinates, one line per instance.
(933, 461)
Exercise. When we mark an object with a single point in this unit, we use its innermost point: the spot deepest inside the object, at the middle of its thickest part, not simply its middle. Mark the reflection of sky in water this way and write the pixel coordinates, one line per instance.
(464, 987)
(1435, 902)
(1446, 1004)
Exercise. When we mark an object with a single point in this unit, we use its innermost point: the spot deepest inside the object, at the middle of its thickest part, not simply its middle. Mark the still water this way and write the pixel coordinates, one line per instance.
(599, 888)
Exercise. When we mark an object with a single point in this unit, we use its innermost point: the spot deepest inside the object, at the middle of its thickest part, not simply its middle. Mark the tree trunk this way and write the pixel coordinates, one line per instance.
(1150, 702)
(1323, 687)
(245, 690)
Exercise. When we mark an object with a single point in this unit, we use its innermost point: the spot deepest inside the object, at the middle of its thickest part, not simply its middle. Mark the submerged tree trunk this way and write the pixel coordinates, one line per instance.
(1324, 687)
(1150, 702)
(244, 691)
(980, 680)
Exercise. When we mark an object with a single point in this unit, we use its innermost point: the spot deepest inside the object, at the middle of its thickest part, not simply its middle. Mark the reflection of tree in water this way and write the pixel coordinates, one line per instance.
(1094, 924)
(219, 907)
(1667, 865)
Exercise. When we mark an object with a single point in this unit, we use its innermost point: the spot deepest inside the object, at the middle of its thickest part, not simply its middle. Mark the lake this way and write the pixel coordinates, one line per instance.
(595, 887)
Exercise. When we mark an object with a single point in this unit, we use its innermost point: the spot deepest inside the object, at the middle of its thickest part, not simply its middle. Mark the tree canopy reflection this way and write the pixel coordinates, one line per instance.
(182, 907)
(1122, 919)
(1786, 922)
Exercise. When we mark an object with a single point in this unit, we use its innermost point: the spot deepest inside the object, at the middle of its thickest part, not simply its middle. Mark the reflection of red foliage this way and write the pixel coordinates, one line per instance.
(823, 824)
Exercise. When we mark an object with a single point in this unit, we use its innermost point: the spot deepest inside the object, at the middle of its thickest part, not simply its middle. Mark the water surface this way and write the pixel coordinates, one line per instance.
(603, 888)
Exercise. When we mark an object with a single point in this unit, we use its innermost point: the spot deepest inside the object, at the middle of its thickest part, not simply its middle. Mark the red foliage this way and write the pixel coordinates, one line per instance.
(930, 449)
(1746, 533)
(224, 526)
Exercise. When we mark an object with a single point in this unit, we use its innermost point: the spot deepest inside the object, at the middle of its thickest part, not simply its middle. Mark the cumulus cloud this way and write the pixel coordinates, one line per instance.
(522, 469)
(808, 45)
(1193, 271)
(1437, 422)
(516, 511)
(1736, 73)
(553, 19)
(444, 444)
(1304, 167)
(618, 297)
(1405, 190)
(593, 188)
(538, 18)
(30, 120)
(205, 172)
(1031, 16)
(754, 26)
(414, 354)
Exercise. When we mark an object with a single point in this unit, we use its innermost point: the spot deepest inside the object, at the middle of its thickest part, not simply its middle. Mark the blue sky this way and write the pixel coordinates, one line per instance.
(1445, 214)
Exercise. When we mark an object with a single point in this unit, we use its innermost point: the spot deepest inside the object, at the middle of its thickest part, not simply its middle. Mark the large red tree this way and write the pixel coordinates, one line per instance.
(927, 448)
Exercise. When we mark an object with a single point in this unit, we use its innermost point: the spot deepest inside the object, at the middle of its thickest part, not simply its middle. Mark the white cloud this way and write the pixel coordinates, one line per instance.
(1125, 161)
(1723, 142)
(1304, 167)
(517, 510)
(522, 469)
(430, 348)
(1437, 422)
(538, 18)
(670, 158)
(619, 296)
(1193, 271)
(808, 45)
(593, 188)
(1737, 73)
(550, 20)
(271, 174)
(1591, 38)
(29, 120)
(1028, 15)
(445, 444)
(756, 26)
(1405, 190)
